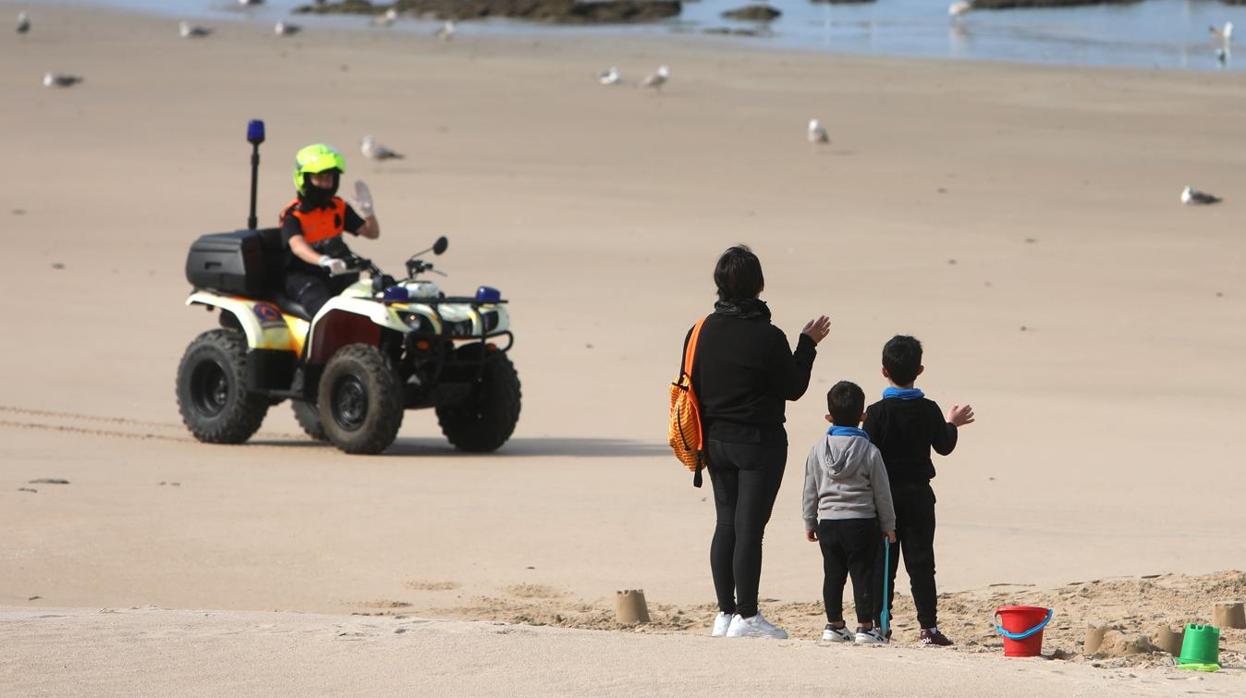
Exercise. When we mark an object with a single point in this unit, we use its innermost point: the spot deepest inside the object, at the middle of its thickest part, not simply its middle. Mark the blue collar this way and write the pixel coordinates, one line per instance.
(903, 393)
(847, 431)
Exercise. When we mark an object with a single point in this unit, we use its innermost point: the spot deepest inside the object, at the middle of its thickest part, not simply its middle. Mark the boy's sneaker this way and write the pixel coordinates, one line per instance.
(932, 636)
(873, 636)
(721, 622)
(833, 634)
(757, 626)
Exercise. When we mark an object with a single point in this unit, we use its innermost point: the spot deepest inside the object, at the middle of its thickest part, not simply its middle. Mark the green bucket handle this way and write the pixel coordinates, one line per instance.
(1022, 635)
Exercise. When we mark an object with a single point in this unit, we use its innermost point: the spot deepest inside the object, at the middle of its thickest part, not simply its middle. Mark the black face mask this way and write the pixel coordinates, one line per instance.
(315, 197)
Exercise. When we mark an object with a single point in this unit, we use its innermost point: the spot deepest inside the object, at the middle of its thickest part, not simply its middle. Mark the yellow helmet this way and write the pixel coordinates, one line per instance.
(316, 158)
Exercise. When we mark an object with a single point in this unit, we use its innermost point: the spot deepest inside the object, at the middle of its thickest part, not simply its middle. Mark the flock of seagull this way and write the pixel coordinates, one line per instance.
(816, 133)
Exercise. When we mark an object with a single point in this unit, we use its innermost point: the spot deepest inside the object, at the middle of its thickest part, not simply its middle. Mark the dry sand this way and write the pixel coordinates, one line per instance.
(1022, 221)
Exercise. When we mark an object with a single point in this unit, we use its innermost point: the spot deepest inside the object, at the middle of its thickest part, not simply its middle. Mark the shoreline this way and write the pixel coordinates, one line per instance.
(667, 33)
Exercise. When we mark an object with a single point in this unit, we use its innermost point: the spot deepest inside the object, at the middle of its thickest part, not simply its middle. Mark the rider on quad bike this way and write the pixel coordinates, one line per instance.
(297, 324)
(312, 227)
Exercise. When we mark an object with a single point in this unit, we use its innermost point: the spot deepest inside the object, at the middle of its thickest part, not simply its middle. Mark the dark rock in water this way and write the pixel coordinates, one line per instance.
(753, 13)
(734, 31)
(564, 11)
(1025, 4)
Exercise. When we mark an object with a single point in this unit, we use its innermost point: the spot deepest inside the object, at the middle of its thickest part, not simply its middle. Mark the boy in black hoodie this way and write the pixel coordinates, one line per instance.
(904, 425)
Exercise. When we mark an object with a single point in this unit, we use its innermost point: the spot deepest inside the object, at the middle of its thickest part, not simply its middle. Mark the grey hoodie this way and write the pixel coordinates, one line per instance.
(845, 479)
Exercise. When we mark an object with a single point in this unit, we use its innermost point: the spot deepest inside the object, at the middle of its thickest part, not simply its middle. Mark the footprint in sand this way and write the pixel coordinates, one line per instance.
(425, 585)
(534, 591)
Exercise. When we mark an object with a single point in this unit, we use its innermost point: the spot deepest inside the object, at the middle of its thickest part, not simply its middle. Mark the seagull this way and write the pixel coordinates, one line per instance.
(446, 32)
(387, 19)
(959, 8)
(1224, 34)
(250, 3)
(610, 77)
(1191, 197)
(375, 151)
(286, 29)
(817, 132)
(23, 23)
(658, 79)
(60, 80)
(192, 31)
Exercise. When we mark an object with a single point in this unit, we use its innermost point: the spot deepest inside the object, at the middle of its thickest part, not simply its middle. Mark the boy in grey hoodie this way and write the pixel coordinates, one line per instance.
(848, 511)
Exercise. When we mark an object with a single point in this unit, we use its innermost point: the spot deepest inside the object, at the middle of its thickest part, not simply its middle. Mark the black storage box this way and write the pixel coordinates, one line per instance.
(241, 262)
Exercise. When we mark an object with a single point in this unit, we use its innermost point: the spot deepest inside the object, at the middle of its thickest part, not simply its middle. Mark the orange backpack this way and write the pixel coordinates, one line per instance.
(684, 431)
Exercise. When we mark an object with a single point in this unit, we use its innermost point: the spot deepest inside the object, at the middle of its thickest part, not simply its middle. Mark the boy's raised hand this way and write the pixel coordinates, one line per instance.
(960, 415)
(811, 536)
(817, 328)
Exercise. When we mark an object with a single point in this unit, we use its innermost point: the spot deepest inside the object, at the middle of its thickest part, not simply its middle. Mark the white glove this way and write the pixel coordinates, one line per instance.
(363, 198)
(334, 265)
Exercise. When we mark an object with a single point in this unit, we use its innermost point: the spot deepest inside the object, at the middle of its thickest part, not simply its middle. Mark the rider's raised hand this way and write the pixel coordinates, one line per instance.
(334, 265)
(363, 198)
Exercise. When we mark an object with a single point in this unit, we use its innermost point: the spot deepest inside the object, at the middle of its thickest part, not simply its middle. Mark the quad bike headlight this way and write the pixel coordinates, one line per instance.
(417, 322)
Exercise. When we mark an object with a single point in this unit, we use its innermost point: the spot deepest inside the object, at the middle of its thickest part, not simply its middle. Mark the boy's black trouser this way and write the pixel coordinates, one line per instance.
(915, 529)
(850, 547)
(746, 479)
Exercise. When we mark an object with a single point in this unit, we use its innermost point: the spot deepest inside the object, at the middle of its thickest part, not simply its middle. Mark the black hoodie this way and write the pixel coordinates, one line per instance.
(745, 371)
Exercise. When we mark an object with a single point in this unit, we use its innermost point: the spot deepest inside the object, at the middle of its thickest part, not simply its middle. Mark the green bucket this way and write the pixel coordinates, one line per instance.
(1201, 646)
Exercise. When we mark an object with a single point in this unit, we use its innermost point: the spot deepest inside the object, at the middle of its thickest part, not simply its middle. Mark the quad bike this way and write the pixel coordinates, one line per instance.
(379, 348)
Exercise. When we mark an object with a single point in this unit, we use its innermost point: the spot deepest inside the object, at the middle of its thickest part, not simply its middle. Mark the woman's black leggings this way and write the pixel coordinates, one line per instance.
(746, 479)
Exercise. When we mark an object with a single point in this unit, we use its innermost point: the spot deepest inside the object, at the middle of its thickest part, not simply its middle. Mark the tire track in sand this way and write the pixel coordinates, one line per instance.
(109, 427)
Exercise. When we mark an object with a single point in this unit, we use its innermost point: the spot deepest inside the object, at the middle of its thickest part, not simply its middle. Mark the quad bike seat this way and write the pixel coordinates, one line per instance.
(290, 306)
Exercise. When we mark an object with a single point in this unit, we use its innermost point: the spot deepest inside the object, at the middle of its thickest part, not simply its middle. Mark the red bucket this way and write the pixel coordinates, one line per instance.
(1022, 629)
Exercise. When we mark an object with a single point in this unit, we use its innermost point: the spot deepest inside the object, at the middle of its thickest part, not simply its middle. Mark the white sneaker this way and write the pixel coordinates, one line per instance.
(721, 622)
(870, 637)
(830, 634)
(757, 626)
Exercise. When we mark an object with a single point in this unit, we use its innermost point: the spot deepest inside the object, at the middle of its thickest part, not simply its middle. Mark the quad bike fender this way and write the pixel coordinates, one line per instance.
(339, 323)
(262, 322)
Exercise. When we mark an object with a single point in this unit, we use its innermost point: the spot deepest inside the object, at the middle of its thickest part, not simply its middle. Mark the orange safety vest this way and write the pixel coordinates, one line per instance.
(321, 223)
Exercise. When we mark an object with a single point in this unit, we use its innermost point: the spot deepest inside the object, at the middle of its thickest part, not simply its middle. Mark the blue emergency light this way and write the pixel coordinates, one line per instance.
(488, 294)
(255, 131)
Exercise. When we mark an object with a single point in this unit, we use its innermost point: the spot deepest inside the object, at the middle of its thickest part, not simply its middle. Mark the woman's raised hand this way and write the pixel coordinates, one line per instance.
(818, 328)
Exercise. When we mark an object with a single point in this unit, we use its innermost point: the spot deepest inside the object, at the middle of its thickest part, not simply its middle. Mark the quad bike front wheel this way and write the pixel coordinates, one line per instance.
(211, 389)
(308, 417)
(360, 400)
(487, 417)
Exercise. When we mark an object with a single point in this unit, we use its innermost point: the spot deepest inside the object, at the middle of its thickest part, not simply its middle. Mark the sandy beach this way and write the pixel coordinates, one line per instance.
(1022, 221)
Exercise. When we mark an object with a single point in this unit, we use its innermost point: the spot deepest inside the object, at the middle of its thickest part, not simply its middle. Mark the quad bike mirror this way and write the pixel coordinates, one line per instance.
(440, 246)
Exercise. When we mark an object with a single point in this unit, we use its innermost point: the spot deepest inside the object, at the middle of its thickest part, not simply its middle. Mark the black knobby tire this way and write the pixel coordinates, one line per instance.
(308, 417)
(212, 389)
(360, 400)
(487, 418)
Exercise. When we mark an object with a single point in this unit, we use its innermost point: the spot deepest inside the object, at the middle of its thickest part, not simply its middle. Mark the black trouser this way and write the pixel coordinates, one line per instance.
(312, 291)
(915, 529)
(850, 547)
(746, 479)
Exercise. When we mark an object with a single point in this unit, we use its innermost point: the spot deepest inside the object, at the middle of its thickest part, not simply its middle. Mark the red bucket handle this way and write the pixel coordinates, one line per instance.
(1022, 635)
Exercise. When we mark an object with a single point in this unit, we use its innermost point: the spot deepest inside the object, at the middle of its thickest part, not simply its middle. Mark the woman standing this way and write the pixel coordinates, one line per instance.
(743, 374)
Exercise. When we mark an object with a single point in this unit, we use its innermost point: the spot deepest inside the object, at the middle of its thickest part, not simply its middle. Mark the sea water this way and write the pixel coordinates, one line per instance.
(1169, 34)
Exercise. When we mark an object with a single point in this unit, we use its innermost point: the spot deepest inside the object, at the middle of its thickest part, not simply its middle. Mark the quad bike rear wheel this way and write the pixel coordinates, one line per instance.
(487, 417)
(360, 400)
(211, 389)
(308, 417)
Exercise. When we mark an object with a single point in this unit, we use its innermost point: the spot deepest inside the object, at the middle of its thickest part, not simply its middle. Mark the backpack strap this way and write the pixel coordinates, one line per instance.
(690, 355)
